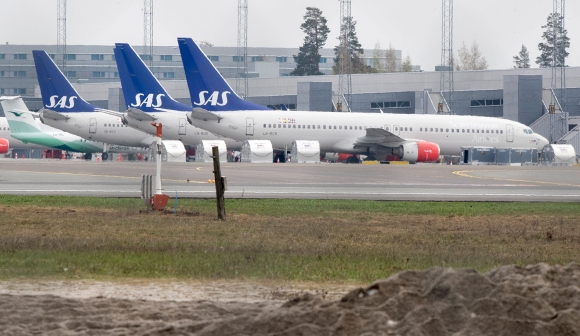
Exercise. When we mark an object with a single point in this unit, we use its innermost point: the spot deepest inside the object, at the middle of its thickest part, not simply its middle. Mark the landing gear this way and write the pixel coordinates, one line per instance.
(105, 156)
(352, 159)
(88, 156)
(279, 158)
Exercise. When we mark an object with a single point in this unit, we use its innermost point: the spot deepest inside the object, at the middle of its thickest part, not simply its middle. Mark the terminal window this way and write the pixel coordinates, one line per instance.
(167, 57)
(322, 60)
(257, 58)
(2, 56)
(1, 73)
(168, 75)
(391, 104)
(146, 57)
(98, 74)
(71, 57)
(20, 56)
(238, 58)
(214, 58)
(20, 91)
(19, 73)
(486, 102)
(71, 74)
(97, 57)
(281, 59)
(1, 91)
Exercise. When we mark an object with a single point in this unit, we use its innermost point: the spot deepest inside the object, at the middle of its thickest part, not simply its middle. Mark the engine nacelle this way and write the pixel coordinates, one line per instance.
(418, 151)
(4, 146)
(338, 157)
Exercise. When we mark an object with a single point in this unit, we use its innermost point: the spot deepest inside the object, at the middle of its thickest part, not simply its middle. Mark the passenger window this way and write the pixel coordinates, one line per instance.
(472, 131)
(468, 130)
(463, 130)
(293, 126)
(405, 129)
(501, 132)
(323, 126)
(486, 131)
(477, 131)
(447, 130)
(334, 127)
(421, 129)
(264, 125)
(411, 129)
(431, 129)
(453, 130)
(436, 130)
(284, 126)
(279, 125)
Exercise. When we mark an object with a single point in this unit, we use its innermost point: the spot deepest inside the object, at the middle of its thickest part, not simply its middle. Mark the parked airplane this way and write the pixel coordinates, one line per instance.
(66, 110)
(148, 101)
(8, 142)
(24, 127)
(410, 137)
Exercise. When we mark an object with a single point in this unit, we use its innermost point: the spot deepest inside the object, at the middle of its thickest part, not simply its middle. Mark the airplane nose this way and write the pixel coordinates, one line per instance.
(542, 142)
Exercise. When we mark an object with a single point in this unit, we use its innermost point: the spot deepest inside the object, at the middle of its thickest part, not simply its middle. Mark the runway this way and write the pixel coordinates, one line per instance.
(423, 182)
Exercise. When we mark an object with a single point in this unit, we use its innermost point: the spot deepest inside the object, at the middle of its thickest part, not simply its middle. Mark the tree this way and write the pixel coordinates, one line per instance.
(470, 59)
(349, 48)
(522, 60)
(378, 62)
(205, 43)
(308, 58)
(391, 59)
(407, 65)
(555, 39)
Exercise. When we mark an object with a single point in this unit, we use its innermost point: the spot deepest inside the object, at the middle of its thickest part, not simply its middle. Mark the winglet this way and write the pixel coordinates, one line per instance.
(140, 87)
(57, 92)
(207, 88)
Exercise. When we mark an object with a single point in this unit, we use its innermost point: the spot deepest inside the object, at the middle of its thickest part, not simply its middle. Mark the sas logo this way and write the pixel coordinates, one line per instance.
(62, 102)
(213, 99)
(148, 101)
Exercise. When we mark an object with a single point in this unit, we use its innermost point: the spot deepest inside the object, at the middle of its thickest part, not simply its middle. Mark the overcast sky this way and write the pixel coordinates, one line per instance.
(500, 27)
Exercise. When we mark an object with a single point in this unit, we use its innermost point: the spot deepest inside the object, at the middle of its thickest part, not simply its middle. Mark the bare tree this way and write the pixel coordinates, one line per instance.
(470, 59)
(391, 59)
(407, 65)
(378, 61)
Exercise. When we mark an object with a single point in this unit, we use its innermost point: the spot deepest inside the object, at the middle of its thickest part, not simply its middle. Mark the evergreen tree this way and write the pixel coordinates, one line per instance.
(407, 65)
(391, 59)
(522, 60)
(349, 48)
(555, 38)
(308, 58)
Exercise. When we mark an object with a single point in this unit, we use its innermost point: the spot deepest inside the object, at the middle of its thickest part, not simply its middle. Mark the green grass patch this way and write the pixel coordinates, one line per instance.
(303, 240)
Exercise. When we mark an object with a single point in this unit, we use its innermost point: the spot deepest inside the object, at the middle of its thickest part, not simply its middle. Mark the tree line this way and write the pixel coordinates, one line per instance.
(349, 49)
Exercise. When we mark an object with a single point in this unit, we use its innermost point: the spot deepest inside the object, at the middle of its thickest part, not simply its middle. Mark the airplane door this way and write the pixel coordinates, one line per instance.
(182, 126)
(388, 128)
(92, 125)
(510, 133)
(249, 126)
(396, 130)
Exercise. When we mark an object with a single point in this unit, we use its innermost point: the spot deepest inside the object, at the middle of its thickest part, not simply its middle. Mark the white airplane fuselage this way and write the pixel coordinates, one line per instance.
(176, 127)
(102, 127)
(338, 132)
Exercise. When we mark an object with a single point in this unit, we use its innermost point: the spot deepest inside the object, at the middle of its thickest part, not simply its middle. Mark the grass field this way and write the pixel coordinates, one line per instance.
(302, 240)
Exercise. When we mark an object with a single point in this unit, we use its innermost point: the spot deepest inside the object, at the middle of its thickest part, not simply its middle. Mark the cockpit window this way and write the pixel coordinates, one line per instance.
(528, 131)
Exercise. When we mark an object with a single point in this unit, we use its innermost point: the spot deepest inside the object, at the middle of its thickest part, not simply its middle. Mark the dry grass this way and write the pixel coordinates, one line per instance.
(347, 244)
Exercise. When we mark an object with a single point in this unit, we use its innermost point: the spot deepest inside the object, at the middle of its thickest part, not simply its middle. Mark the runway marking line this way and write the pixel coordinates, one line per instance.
(100, 175)
(465, 173)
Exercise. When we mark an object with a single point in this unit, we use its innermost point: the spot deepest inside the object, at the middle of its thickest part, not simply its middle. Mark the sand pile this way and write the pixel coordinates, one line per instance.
(510, 300)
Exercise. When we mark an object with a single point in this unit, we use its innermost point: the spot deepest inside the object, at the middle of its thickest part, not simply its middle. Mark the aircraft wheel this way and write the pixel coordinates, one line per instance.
(105, 156)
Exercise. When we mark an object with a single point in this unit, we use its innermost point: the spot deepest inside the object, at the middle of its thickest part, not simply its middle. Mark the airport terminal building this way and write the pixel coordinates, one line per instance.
(522, 95)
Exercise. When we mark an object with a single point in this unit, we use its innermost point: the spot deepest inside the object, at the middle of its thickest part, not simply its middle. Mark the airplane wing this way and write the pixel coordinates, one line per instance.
(140, 115)
(199, 113)
(378, 136)
(50, 114)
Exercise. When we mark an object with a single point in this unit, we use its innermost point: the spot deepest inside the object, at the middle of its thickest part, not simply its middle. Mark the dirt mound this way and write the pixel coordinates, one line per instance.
(536, 300)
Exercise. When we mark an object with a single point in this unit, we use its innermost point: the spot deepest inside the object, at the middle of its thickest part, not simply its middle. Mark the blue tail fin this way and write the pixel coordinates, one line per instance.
(57, 92)
(207, 87)
(140, 87)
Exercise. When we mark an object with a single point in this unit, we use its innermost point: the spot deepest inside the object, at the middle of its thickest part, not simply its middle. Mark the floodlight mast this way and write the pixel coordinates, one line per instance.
(446, 79)
(242, 54)
(148, 32)
(61, 32)
(345, 66)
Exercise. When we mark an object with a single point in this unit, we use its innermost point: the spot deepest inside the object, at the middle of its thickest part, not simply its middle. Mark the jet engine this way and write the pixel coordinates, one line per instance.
(417, 151)
(4, 146)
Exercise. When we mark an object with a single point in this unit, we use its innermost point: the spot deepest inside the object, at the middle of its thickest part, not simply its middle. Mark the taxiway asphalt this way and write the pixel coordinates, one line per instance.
(424, 182)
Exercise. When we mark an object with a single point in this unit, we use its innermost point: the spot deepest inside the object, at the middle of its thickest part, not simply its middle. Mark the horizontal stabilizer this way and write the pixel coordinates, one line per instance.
(202, 114)
(50, 114)
(140, 115)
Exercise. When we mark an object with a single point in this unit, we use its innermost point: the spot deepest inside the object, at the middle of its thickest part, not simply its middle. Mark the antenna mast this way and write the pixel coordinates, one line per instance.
(148, 31)
(446, 79)
(61, 31)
